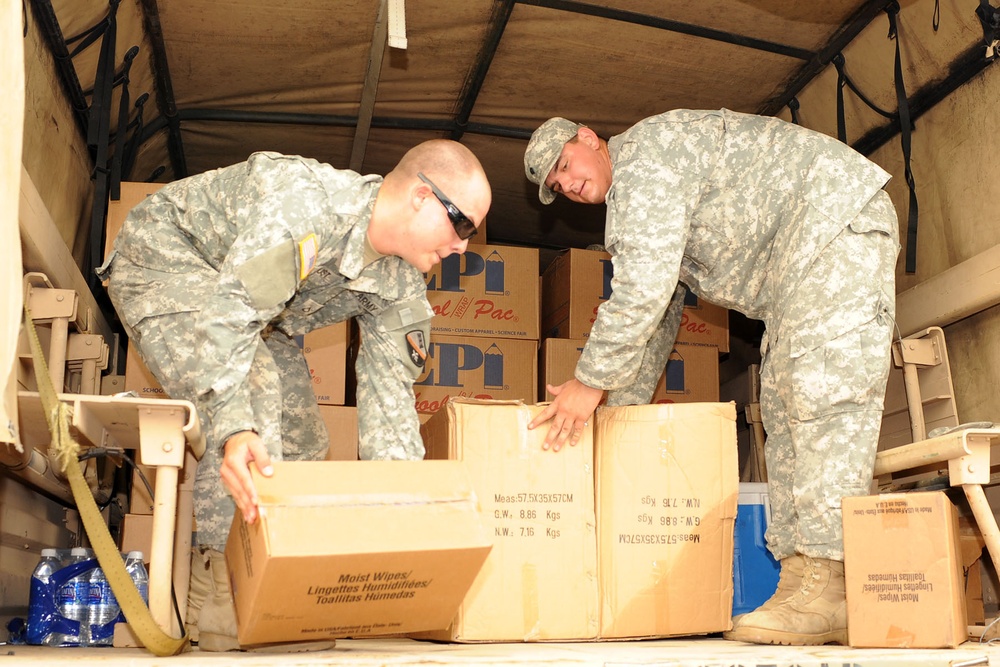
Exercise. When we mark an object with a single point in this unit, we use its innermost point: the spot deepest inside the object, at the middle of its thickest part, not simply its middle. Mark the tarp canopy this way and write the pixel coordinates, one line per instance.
(318, 78)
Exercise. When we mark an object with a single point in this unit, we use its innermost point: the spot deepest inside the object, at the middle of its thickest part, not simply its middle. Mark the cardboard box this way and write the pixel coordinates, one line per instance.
(342, 425)
(487, 291)
(539, 582)
(704, 323)
(691, 374)
(355, 548)
(326, 353)
(137, 534)
(903, 568)
(667, 488)
(138, 378)
(577, 282)
(472, 367)
(574, 284)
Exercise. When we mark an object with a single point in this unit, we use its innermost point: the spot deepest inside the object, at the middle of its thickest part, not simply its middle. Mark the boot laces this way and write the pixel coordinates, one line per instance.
(810, 578)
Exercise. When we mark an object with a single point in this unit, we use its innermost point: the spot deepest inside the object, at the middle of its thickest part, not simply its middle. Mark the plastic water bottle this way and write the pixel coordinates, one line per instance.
(74, 597)
(137, 571)
(102, 609)
(43, 605)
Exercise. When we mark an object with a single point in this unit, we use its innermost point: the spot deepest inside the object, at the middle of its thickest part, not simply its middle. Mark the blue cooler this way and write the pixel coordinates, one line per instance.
(755, 572)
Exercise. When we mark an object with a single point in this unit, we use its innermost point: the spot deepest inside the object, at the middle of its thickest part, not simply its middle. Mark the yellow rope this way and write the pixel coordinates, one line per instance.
(67, 450)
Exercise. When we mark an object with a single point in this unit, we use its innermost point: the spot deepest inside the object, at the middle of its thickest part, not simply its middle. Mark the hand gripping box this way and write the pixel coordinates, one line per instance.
(667, 490)
(539, 582)
(351, 548)
(903, 568)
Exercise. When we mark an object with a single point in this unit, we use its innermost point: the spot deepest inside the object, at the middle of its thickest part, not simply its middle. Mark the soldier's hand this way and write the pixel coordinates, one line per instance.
(240, 450)
(570, 412)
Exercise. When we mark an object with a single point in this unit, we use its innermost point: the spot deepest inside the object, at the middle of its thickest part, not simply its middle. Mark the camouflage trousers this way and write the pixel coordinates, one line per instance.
(284, 407)
(822, 407)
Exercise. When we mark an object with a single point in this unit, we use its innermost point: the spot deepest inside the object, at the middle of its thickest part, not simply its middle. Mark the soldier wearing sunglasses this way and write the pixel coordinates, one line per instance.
(213, 277)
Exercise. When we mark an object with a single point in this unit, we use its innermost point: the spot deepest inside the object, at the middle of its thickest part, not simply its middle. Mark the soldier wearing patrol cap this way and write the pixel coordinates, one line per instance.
(214, 275)
(787, 226)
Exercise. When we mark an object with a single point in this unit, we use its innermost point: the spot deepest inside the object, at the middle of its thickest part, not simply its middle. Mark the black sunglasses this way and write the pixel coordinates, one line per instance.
(464, 227)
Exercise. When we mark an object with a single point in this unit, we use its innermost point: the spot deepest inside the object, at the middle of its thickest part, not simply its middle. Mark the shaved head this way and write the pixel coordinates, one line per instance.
(452, 166)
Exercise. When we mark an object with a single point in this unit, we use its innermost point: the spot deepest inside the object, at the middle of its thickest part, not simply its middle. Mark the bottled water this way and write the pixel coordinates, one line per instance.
(102, 609)
(43, 611)
(74, 597)
(137, 571)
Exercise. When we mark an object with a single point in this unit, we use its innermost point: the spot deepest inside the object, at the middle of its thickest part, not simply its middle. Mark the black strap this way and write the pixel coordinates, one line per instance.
(98, 138)
(793, 106)
(838, 62)
(905, 129)
(132, 144)
(121, 132)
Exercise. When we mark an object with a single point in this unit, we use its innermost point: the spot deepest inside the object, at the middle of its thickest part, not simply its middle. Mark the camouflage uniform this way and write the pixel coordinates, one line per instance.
(785, 225)
(214, 275)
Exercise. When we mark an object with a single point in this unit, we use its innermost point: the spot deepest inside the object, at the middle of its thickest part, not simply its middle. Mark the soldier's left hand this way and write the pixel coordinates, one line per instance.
(240, 450)
(570, 412)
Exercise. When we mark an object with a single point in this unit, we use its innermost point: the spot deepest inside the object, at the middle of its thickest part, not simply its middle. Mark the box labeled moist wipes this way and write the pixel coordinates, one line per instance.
(903, 571)
(352, 548)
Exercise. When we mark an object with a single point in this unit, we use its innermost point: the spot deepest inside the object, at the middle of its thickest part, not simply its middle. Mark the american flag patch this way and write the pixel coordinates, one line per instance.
(308, 251)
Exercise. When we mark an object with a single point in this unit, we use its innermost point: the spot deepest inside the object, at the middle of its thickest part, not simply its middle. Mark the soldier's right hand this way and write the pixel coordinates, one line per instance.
(240, 450)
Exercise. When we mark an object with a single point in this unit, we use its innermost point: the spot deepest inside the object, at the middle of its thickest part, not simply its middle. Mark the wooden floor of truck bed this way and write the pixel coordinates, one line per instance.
(687, 652)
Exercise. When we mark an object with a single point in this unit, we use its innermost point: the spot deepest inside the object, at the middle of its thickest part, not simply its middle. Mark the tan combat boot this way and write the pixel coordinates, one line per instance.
(199, 589)
(789, 580)
(217, 618)
(815, 614)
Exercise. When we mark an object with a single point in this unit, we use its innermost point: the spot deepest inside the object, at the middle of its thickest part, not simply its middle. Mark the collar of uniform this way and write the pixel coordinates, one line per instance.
(352, 262)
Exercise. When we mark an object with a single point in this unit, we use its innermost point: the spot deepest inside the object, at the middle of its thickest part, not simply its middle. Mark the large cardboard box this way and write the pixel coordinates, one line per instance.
(473, 367)
(667, 491)
(576, 283)
(487, 291)
(352, 548)
(326, 353)
(539, 582)
(342, 426)
(691, 374)
(903, 568)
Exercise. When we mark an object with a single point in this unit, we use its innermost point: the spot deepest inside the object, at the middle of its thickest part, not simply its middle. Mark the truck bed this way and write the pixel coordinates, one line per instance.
(685, 652)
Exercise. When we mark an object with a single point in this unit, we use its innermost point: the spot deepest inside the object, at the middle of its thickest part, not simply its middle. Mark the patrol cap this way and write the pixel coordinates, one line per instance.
(543, 150)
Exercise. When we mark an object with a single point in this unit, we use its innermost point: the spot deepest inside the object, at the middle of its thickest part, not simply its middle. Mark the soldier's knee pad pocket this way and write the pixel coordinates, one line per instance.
(845, 374)
(159, 339)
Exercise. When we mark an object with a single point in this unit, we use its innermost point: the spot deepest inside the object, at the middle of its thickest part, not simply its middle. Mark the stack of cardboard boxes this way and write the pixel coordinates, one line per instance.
(573, 288)
(485, 331)
(628, 534)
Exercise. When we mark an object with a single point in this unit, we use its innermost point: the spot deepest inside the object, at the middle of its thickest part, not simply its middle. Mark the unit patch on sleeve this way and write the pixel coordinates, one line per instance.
(416, 347)
(308, 251)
